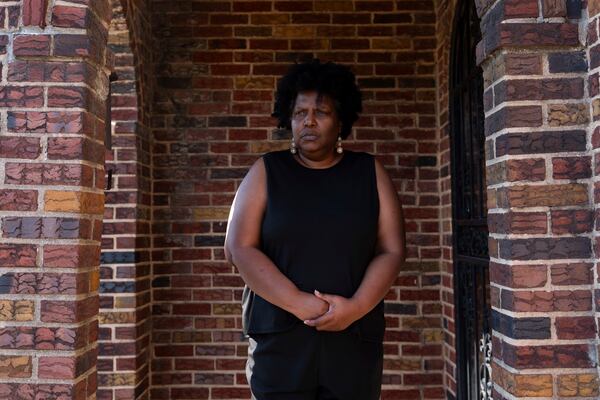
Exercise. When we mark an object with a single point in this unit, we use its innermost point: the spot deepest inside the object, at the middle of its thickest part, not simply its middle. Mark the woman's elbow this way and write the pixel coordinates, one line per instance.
(228, 248)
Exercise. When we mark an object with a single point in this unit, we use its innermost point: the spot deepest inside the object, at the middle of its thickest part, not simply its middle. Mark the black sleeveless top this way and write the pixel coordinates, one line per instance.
(320, 230)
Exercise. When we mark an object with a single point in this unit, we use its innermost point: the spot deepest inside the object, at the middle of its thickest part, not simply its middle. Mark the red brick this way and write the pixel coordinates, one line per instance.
(75, 149)
(34, 12)
(19, 147)
(17, 255)
(48, 174)
(523, 64)
(518, 276)
(18, 200)
(571, 328)
(541, 301)
(229, 393)
(18, 96)
(571, 167)
(572, 221)
(554, 8)
(31, 45)
(521, 9)
(572, 274)
(70, 17)
(56, 368)
(537, 357)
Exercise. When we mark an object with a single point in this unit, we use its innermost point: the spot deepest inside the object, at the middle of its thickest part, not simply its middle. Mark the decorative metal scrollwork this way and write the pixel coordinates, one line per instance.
(485, 369)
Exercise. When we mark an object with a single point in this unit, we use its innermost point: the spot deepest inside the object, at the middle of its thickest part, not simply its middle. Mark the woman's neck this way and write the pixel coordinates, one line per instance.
(317, 162)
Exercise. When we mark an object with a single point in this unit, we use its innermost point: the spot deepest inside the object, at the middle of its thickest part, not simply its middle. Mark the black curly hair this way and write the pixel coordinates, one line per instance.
(331, 79)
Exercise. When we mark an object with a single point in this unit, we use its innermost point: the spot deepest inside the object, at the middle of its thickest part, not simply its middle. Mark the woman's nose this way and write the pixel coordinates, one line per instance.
(310, 119)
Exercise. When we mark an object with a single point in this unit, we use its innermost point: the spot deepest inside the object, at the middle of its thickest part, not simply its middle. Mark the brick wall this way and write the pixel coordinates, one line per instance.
(445, 12)
(539, 186)
(216, 67)
(125, 310)
(51, 201)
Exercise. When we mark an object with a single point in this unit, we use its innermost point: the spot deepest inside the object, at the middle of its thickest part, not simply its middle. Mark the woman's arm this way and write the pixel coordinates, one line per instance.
(381, 271)
(242, 241)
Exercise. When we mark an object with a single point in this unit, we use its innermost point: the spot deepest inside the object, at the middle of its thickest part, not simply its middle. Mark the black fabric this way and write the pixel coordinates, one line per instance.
(305, 364)
(320, 230)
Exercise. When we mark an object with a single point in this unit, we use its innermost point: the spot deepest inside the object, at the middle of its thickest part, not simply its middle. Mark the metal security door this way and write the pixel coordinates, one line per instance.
(470, 233)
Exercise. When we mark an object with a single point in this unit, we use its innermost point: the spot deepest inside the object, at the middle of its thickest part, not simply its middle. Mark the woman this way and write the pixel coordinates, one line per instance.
(316, 233)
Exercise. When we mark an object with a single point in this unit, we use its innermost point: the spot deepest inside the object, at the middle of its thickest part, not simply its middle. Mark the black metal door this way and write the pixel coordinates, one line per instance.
(470, 233)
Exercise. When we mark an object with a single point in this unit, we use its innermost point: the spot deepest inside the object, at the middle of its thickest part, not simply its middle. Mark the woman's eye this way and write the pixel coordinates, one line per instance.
(322, 112)
(300, 113)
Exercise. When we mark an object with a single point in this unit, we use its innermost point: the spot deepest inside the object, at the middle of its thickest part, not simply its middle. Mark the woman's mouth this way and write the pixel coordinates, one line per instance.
(309, 137)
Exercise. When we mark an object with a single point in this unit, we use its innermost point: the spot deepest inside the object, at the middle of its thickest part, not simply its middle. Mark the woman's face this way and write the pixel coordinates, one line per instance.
(315, 124)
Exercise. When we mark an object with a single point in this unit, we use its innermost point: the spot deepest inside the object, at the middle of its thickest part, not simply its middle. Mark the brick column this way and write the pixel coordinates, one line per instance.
(539, 184)
(588, 385)
(51, 199)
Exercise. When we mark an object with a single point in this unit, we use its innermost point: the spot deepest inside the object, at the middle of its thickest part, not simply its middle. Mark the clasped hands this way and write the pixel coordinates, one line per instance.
(327, 312)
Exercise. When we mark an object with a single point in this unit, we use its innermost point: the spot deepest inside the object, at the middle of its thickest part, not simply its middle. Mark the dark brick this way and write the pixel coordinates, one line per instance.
(521, 328)
(119, 257)
(75, 46)
(538, 89)
(117, 287)
(518, 222)
(400, 308)
(545, 248)
(40, 228)
(567, 62)
(392, 18)
(595, 56)
(540, 142)
(209, 241)
(513, 117)
(536, 34)
(230, 121)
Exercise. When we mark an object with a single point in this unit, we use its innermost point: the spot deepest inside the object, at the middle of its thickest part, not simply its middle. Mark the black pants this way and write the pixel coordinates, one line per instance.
(305, 364)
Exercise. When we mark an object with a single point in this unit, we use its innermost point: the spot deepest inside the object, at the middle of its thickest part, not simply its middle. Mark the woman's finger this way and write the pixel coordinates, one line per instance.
(325, 297)
(323, 319)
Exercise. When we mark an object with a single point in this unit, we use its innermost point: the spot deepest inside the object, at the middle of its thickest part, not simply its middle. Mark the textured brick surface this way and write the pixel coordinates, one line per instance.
(203, 151)
(44, 225)
(34, 12)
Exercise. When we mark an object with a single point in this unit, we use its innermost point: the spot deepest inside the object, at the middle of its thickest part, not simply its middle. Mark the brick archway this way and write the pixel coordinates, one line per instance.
(124, 318)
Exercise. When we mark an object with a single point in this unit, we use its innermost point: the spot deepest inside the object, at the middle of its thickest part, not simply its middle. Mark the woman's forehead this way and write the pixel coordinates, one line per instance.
(313, 97)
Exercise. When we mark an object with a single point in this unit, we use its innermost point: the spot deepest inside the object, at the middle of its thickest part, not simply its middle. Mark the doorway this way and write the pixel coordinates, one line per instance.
(470, 232)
